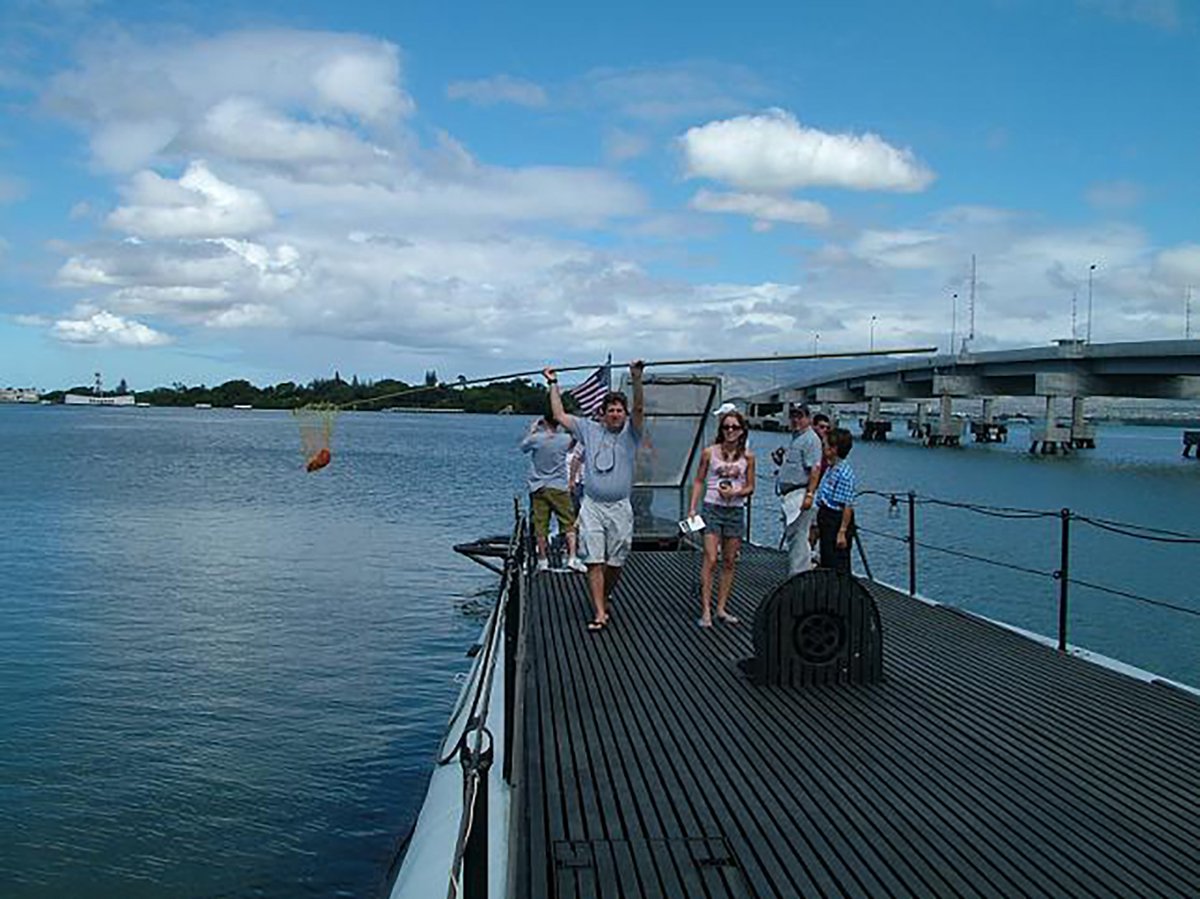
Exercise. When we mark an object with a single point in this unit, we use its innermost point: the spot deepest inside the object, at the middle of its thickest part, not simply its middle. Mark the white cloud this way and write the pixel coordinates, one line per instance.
(1180, 265)
(362, 81)
(498, 89)
(763, 208)
(139, 100)
(321, 212)
(199, 204)
(909, 249)
(246, 129)
(773, 152)
(101, 328)
(1027, 273)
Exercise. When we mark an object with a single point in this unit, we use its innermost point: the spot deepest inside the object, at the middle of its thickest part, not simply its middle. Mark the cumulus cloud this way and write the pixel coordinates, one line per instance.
(308, 205)
(906, 249)
(199, 204)
(773, 152)
(498, 89)
(139, 100)
(1180, 265)
(764, 208)
(101, 328)
(1027, 274)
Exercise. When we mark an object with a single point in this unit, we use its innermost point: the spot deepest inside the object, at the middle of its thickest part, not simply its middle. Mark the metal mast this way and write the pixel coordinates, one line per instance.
(1187, 313)
(971, 332)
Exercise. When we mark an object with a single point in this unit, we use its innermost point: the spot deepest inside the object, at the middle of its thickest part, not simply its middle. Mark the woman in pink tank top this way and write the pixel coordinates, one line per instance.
(725, 479)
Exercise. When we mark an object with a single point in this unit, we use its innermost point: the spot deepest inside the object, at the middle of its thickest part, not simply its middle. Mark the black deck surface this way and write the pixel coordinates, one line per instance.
(984, 765)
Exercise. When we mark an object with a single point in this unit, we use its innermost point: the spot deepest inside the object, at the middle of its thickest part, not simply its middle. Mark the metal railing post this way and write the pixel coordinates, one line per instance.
(912, 543)
(476, 763)
(1064, 578)
(512, 630)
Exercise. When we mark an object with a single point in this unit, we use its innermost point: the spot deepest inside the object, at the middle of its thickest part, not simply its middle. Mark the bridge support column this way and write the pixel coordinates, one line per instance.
(874, 426)
(948, 430)
(918, 426)
(986, 429)
(1191, 439)
(1083, 432)
(1050, 436)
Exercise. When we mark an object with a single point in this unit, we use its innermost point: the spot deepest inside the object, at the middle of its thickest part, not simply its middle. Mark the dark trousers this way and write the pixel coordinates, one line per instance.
(828, 522)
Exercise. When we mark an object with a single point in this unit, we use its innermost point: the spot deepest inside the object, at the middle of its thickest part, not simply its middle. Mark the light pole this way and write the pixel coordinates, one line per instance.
(871, 343)
(953, 321)
(1091, 271)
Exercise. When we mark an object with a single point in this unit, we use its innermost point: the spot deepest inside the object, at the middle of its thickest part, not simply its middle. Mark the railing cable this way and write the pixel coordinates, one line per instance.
(1135, 596)
(959, 553)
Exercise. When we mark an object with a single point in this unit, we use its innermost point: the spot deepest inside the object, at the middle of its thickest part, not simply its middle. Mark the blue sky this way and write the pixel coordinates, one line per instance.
(198, 192)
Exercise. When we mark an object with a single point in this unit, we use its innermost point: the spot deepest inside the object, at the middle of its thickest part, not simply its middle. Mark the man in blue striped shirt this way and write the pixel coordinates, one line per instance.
(835, 502)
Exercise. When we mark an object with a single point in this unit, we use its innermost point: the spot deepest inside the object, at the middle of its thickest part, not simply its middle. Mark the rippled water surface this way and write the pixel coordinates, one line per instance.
(221, 676)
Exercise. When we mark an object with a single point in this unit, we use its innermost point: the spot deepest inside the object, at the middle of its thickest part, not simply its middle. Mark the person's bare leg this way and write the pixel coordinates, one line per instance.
(612, 574)
(596, 578)
(572, 540)
(542, 543)
(729, 554)
(707, 567)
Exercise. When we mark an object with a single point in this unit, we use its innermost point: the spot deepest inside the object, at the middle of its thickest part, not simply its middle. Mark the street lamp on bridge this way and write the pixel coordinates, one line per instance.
(1091, 271)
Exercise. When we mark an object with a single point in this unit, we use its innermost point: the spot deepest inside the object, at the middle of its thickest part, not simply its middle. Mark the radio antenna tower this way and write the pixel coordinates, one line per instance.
(971, 307)
(1187, 314)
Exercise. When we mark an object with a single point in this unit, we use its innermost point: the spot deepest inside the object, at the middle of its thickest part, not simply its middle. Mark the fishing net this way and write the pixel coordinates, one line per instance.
(316, 430)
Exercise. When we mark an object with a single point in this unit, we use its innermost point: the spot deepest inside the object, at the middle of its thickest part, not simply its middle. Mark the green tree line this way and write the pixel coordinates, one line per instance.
(520, 395)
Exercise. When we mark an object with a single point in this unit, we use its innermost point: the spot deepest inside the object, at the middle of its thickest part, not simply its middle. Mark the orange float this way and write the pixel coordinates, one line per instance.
(319, 459)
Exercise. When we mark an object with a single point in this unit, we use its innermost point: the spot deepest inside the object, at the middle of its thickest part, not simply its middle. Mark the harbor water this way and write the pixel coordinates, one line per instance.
(224, 677)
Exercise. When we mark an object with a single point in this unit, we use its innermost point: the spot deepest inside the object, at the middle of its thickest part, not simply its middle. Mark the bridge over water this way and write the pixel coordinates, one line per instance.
(1070, 370)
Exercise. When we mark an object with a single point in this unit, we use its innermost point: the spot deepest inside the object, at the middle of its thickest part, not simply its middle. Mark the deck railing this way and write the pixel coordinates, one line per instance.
(475, 748)
(1061, 574)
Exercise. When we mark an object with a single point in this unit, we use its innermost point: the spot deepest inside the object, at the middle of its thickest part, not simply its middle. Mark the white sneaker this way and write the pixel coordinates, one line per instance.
(575, 565)
(543, 565)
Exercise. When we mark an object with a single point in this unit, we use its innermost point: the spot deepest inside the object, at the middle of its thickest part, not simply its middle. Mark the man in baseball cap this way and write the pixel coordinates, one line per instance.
(796, 483)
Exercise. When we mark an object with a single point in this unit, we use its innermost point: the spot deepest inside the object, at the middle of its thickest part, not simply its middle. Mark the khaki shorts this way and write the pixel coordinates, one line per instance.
(545, 500)
(605, 531)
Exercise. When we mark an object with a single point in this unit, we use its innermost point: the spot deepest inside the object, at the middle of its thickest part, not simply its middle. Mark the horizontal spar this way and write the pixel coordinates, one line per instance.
(727, 360)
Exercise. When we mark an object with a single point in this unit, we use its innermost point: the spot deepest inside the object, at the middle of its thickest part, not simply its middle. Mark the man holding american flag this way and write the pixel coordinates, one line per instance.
(610, 446)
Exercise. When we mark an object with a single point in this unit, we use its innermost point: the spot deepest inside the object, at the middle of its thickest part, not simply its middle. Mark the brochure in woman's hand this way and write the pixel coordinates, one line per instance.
(692, 525)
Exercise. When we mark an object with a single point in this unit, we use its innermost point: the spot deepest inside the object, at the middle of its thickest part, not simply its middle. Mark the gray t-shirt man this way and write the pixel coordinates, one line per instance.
(799, 457)
(548, 458)
(608, 459)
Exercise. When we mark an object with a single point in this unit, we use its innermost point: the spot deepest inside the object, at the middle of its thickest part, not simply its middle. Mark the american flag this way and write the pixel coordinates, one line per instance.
(590, 394)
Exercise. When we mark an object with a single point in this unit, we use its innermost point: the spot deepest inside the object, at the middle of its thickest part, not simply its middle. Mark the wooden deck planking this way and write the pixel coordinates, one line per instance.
(985, 764)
